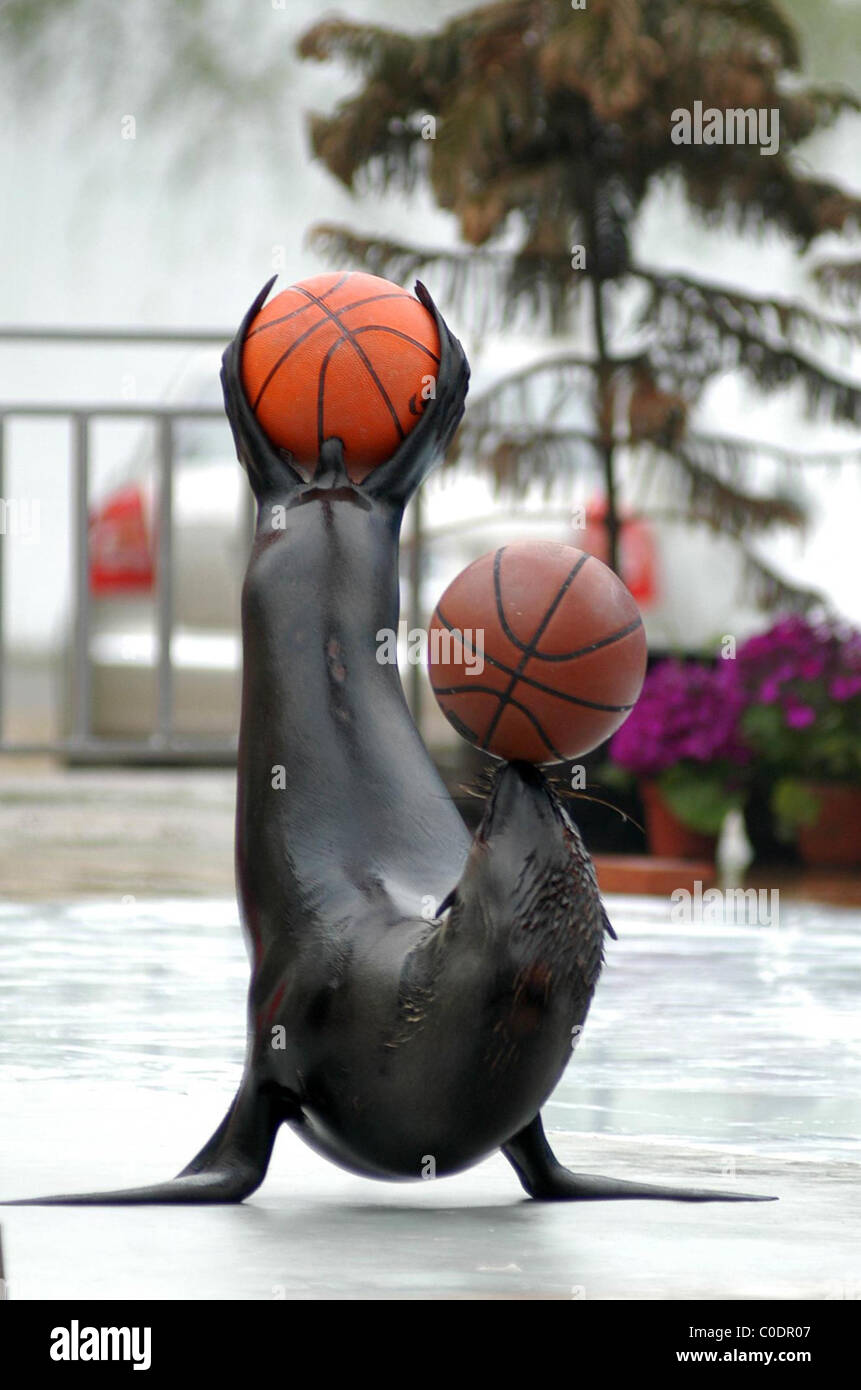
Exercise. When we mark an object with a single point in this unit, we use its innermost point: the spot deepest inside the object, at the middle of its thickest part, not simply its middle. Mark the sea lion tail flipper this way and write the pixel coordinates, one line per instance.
(229, 1167)
(544, 1178)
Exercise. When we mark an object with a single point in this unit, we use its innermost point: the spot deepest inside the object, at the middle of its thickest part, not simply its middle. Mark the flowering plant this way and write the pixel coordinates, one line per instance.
(684, 732)
(801, 686)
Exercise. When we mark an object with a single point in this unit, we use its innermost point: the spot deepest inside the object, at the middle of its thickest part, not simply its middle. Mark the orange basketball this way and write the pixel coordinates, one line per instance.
(563, 650)
(346, 355)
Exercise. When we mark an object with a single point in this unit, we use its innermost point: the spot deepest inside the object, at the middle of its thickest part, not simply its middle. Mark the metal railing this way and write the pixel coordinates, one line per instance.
(163, 743)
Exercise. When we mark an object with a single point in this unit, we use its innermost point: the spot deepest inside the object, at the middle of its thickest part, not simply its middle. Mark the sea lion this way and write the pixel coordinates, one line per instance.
(399, 1041)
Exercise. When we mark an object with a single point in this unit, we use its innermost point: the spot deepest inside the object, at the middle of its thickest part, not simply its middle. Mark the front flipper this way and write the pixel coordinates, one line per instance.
(269, 469)
(229, 1167)
(545, 1179)
(274, 470)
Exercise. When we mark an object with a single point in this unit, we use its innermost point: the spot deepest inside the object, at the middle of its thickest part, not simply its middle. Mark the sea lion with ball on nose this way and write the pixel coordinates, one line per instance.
(392, 1044)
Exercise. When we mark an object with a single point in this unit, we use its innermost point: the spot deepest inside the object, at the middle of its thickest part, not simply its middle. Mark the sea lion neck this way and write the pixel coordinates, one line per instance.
(336, 790)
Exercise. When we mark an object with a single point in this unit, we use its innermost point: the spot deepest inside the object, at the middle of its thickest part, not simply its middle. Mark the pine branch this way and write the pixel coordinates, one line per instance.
(732, 510)
(771, 590)
(378, 132)
(543, 110)
(840, 281)
(763, 19)
(516, 459)
(508, 402)
(698, 333)
(371, 135)
(829, 103)
(733, 456)
(826, 394)
(557, 370)
(367, 47)
(761, 313)
(490, 288)
(731, 186)
(400, 262)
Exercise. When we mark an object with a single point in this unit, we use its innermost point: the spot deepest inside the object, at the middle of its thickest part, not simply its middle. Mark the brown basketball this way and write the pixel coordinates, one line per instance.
(563, 647)
(346, 355)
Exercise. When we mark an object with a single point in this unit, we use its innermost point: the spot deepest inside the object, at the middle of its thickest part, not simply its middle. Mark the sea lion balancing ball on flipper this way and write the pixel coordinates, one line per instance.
(397, 1043)
(537, 652)
(347, 355)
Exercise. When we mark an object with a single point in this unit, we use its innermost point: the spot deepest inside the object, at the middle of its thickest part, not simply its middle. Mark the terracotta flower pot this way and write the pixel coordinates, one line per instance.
(670, 838)
(834, 838)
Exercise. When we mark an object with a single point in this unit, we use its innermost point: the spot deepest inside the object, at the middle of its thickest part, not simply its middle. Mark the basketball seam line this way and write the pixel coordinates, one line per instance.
(617, 636)
(530, 680)
(335, 316)
(528, 650)
(321, 391)
(396, 333)
(301, 310)
(366, 328)
(554, 656)
(533, 718)
(283, 358)
(348, 335)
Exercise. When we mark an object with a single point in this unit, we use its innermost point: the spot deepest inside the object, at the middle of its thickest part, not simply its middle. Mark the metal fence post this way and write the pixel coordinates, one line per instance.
(83, 674)
(81, 740)
(2, 562)
(164, 574)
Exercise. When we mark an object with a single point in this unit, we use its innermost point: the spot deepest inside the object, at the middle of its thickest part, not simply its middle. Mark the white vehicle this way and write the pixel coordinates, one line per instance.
(211, 534)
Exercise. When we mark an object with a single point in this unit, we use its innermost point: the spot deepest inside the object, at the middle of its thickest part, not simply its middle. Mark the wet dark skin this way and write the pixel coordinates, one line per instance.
(396, 1043)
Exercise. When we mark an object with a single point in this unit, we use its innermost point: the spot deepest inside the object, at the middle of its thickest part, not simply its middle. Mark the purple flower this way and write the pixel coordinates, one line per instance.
(792, 696)
(800, 662)
(844, 687)
(811, 668)
(799, 716)
(686, 711)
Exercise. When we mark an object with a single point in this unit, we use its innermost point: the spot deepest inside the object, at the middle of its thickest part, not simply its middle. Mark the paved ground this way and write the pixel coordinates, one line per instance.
(729, 1056)
(129, 832)
(115, 832)
(314, 1232)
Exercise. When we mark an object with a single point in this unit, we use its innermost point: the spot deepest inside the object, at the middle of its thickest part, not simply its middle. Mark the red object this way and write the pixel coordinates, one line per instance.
(645, 873)
(346, 355)
(563, 647)
(638, 556)
(119, 547)
(834, 838)
(668, 837)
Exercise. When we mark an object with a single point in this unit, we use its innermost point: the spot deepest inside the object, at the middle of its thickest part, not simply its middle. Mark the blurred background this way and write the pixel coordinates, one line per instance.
(664, 338)
(664, 341)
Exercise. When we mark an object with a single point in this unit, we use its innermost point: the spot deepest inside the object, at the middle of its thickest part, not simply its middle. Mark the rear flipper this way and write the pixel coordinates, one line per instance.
(228, 1168)
(545, 1179)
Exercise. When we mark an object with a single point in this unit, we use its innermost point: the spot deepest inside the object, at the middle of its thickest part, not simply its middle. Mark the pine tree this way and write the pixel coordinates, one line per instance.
(549, 123)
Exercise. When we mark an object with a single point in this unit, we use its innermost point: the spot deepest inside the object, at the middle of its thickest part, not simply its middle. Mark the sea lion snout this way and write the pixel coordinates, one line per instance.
(524, 840)
(520, 803)
(528, 885)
